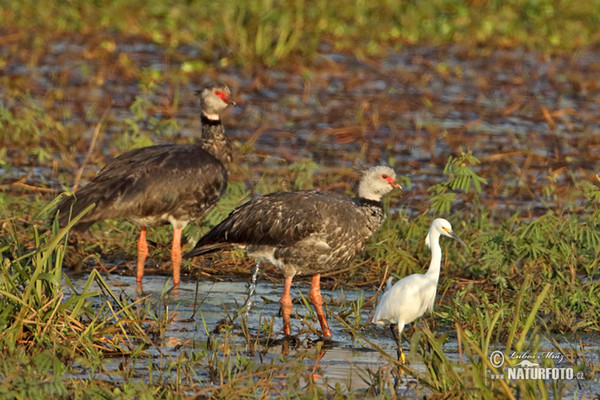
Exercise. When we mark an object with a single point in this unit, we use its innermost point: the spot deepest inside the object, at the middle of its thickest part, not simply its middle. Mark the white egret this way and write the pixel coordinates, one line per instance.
(410, 297)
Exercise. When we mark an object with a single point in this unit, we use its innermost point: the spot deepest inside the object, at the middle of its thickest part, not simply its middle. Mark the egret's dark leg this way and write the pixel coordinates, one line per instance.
(317, 300)
(142, 250)
(396, 333)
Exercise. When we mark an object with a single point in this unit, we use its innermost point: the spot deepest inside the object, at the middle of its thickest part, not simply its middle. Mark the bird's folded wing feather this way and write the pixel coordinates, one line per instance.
(148, 180)
(283, 218)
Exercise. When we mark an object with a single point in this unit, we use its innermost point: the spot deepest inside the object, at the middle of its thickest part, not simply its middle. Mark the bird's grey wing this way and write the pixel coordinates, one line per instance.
(277, 219)
(185, 183)
(147, 181)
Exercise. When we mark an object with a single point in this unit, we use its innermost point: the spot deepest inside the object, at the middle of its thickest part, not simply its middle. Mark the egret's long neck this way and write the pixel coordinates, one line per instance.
(436, 256)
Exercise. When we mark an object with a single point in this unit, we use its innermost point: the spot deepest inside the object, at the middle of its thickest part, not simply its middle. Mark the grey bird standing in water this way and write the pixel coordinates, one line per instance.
(166, 183)
(305, 232)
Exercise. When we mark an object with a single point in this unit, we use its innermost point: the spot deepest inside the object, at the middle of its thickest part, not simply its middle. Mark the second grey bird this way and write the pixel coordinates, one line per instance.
(305, 232)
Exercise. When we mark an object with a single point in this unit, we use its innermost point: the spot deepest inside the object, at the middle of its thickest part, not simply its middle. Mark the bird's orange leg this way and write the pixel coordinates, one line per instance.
(317, 300)
(142, 251)
(286, 305)
(176, 255)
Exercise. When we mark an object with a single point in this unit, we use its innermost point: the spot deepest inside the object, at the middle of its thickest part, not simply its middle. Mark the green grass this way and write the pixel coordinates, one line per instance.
(498, 305)
(486, 298)
(272, 32)
(43, 332)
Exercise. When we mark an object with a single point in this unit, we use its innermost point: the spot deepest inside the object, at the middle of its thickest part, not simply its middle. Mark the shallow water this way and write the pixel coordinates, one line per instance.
(344, 361)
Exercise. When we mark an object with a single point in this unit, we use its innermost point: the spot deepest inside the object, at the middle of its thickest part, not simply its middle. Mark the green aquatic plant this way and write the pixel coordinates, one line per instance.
(262, 31)
(298, 175)
(25, 122)
(461, 177)
(271, 32)
(147, 120)
(46, 330)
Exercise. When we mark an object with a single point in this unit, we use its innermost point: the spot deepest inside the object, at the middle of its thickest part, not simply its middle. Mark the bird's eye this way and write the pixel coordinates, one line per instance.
(384, 176)
(218, 93)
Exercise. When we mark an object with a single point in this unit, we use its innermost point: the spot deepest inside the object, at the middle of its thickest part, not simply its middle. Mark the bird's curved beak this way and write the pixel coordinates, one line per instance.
(393, 182)
(229, 101)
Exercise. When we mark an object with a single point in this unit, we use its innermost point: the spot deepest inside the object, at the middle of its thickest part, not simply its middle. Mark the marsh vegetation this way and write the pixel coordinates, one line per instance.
(487, 111)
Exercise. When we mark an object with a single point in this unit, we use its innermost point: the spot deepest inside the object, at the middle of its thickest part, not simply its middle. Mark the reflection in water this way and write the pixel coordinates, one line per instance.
(252, 287)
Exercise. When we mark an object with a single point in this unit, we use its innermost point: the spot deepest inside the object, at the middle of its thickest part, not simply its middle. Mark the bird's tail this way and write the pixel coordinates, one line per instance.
(389, 283)
(69, 207)
(206, 249)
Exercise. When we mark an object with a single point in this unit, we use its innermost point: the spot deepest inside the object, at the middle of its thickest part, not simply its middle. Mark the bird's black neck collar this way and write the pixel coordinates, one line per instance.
(370, 203)
(209, 122)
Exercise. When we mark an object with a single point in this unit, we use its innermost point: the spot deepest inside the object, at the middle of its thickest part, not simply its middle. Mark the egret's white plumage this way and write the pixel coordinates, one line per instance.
(410, 297)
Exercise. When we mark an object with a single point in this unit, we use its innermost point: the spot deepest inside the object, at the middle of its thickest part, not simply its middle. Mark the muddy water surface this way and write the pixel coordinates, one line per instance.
(199, 308)
(527, 116)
